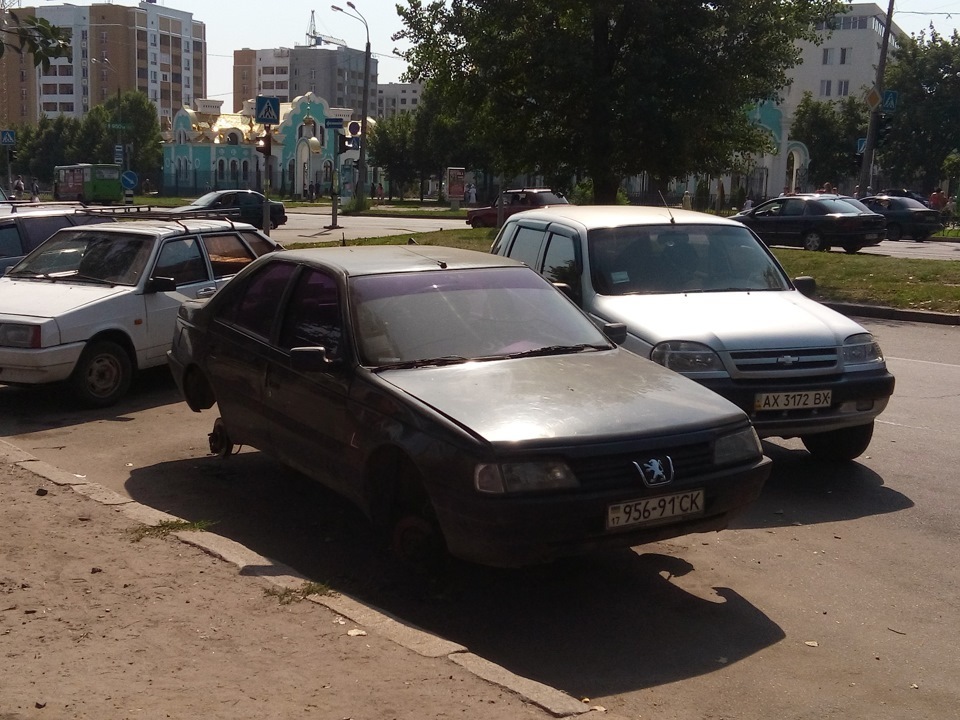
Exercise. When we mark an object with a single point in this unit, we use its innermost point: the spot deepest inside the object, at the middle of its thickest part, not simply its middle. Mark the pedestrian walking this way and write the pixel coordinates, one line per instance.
(472, 195)
(687, 201)
(35, 191)
(18, 188)
(380, 192)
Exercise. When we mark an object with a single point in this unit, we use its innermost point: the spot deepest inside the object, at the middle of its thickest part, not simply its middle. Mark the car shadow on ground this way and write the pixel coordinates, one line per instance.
(29, 409)
(590, 626)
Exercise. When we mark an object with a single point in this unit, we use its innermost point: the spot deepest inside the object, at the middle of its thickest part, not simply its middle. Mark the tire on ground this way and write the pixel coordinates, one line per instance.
(844, 444)
(103, 374)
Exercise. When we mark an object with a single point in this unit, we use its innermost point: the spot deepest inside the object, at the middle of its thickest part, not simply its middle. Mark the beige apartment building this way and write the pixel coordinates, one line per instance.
(156, 50)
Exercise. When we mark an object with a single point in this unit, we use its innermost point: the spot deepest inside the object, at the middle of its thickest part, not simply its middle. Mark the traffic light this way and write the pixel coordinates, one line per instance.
(343, 143)
(265, 144)
(884, 127)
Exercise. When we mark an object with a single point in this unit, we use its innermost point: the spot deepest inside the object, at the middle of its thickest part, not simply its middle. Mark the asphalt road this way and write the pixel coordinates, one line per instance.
(835, 596)
(314, 226)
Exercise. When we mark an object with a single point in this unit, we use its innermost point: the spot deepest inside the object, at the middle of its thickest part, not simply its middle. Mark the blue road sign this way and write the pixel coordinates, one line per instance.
(128, 180)
(861, 145)
(889, 101)
(8, 137)
(333, 123)
(268, 110)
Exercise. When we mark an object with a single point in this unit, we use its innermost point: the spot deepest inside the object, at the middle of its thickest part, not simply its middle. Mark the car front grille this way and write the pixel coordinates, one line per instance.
(784, 361)
(617, 471)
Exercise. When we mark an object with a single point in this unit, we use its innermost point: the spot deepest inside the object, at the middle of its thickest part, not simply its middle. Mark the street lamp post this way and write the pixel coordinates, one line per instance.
(107, 64)
(362, 180)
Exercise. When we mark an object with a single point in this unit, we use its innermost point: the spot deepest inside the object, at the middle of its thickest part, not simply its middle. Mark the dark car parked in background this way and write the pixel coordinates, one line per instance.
(24, 226)
(815, 222)
(243, 205)
(460, 400)
(514, 201)
(902, 192)
(905, 217)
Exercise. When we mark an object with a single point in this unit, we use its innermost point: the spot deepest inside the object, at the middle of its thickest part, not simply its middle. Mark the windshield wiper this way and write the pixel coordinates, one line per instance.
(423, 362)
(60, 275)
(557, 350)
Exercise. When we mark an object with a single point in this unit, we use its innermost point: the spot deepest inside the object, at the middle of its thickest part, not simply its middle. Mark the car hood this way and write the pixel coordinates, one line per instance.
(601, 395)
(45, 299)
(730, 320)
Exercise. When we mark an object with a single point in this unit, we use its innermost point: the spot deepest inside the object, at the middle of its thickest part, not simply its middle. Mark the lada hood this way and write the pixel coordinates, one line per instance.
(729, 320)
(45, 299)
(611, 395)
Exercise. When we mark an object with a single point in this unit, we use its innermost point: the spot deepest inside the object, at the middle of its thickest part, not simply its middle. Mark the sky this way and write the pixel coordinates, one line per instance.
(256, 24)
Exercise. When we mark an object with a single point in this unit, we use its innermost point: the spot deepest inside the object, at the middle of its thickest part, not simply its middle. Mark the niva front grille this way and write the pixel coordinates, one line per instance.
(785, 361)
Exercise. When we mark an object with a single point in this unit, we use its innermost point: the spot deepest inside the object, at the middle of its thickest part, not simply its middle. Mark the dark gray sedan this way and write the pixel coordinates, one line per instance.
(463, 403)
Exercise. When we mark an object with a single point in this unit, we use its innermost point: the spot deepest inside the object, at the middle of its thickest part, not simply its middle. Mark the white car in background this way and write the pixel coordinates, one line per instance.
(93, 304)
(703, 296)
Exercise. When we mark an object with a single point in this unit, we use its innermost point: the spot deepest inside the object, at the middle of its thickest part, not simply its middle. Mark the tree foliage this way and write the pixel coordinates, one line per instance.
(64, 141)
(391, 148)
(33, 36)
(924, 129)
(609, 88)
(830, 130)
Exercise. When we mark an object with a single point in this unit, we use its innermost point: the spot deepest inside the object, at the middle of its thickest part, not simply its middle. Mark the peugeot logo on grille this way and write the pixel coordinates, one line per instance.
(655, 471)
(787, 359)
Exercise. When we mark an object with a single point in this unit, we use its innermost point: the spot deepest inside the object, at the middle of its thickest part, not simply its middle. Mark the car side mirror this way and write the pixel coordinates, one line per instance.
(615, 332)
(311, 359)
(161, 284)
(806, 285)
(565, 289)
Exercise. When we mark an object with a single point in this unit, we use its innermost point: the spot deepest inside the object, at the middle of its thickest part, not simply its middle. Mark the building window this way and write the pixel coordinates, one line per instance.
(828, 56)
(103, 37)
(846, 56)
(825, 88)
(843, 88)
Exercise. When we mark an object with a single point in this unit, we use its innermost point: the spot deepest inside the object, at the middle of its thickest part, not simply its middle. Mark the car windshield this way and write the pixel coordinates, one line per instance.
(459, 315)
(88, 256)
(646, 259)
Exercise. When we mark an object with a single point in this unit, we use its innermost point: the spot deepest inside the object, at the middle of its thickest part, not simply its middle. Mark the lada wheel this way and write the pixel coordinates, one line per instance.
(102, 375)
(844, 444)
(894, 232)
(813, 241)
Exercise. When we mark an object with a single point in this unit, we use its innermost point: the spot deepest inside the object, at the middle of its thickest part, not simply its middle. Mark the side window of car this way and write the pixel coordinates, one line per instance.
(228, 255)
(253, 307)
(526, 246)
(257, 242)
(38, 229)
(10, 241)
(792, 208)
(560, 262)
(181, 260)
(312, 317)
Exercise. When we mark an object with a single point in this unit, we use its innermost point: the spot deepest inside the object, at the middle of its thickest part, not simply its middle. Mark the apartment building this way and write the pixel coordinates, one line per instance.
(397, 98)
(333, 73)
(156, 50)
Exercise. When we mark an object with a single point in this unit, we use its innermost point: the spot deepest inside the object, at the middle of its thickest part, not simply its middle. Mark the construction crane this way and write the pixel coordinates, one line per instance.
(315, 38)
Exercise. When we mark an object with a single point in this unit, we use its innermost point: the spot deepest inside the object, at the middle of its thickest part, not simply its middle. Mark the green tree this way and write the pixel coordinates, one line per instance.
(830, 130)
(608, 87)
(391, 148)
(924, 129)
(34, 36)
(141, 132)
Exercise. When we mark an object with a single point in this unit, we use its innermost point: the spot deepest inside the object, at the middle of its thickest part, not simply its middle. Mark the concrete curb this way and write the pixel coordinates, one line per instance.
(282, 576)
(887, 313)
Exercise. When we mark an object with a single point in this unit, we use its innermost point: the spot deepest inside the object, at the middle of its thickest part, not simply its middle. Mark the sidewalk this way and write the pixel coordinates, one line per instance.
(96, 624)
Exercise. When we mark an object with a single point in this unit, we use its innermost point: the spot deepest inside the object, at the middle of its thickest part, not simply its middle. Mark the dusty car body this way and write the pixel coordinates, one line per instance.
(703, 296)
(458, 399)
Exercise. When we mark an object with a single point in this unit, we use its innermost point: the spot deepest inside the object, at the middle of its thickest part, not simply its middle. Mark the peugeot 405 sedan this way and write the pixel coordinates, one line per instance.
(703, 296)
(463, 403)
(93, 304)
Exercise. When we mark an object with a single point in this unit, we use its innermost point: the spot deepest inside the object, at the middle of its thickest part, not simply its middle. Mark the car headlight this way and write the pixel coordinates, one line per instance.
(861, 349)
(739, 447)
(523, 477)
(686, 357)
(19, 335)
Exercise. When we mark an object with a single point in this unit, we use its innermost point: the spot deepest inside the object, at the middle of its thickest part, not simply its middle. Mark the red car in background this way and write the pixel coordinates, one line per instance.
(514, 201)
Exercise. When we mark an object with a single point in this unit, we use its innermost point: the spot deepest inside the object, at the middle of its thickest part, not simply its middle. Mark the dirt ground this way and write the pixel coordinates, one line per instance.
(94, 624)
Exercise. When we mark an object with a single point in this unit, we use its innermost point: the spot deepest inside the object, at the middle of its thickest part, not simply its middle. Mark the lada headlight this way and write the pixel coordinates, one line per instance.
(19, 335)
(737, 447)
(522, 477)
(861, 349)
(683, 356)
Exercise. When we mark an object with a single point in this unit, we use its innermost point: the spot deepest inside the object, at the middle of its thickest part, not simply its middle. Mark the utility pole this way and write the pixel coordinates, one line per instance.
(867, 167)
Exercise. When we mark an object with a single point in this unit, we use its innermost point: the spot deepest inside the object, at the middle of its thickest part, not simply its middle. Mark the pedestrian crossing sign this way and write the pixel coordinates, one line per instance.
(8, 137)
(268, 110)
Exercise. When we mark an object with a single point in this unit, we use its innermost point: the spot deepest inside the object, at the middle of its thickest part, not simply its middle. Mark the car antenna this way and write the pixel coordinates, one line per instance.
(441, 263)
(673, 220)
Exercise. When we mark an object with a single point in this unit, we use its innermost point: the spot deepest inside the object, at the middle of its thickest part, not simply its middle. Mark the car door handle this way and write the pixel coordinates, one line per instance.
(206, 292)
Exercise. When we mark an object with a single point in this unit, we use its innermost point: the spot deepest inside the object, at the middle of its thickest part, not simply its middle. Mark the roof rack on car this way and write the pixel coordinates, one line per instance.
(31, 205)
(156, 212)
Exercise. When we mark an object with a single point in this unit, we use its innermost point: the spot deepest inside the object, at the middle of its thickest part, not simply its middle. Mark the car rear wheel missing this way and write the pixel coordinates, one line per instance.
(103, 374)
(219, 440)
(843, 444)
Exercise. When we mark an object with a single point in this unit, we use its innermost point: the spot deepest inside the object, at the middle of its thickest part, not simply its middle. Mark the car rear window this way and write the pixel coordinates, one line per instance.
(835, 206)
